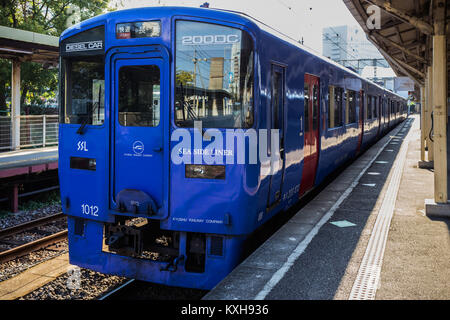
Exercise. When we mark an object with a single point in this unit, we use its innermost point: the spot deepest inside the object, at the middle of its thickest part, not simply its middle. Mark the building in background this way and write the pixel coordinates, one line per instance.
(348, 45)
(383, 76)
(386, 77)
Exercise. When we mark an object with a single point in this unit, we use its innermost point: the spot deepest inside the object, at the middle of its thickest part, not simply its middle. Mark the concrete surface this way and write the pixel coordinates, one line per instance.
(308, 256)
(439, 210)
(34, 278)
(311, 258)
(28, 157)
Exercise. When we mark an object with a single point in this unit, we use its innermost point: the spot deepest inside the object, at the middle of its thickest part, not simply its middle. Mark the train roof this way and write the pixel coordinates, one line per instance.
(223, 14)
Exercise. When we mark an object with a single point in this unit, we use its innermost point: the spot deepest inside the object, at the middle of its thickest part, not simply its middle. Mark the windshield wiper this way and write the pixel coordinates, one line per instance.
(83, 124)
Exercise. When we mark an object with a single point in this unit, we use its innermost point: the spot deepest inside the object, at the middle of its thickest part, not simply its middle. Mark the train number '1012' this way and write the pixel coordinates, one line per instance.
(89, 210)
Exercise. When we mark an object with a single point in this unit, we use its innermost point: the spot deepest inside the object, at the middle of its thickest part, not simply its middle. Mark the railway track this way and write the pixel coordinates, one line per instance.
(141, 290)
(110, 295)
(21, 249)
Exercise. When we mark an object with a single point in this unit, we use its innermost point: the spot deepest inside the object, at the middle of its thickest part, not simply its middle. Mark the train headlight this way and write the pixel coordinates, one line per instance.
(202, 171)
(83, 163)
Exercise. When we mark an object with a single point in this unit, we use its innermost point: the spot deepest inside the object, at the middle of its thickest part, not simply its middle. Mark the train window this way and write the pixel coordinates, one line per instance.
(375, 107)
(331, 107)
(379, 107)
(214, 76)
(83, 90)
(315, 110)
(338, 92)
(351, 107)
(335, 118)
(369, 107)
(306, 106)
(338, 96)
(346, 107)
(139, 96)
(277, 98)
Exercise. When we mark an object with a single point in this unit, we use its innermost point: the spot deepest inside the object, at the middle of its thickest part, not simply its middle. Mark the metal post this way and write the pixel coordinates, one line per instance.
(14, 198)
(439, 206)
(429, 124)
(422, 123)
(440, 118)
(15, 105)
(44, 125)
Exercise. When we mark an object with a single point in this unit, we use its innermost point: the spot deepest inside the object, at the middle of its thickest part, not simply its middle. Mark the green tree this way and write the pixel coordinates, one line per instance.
(184, 77)
(5, 83)
(42, 82)
(49, 17)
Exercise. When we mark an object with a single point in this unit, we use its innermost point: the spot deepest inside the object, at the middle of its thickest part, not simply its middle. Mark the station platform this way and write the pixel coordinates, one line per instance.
(28, 161)
(15, 165)
(364, 237)
(27, 158)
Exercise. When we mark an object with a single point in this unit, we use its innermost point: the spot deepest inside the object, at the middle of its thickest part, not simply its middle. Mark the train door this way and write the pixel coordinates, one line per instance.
(362, 101)
(379, 111)
(311, 136)
(139, 121)
(277, 123)
(389, 110)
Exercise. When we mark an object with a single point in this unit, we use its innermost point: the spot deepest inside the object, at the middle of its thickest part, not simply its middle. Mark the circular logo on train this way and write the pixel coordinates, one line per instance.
(138, 147)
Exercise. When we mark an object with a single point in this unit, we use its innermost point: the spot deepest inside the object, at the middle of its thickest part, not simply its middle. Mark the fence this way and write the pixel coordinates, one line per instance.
(35, 131)
(5, 133)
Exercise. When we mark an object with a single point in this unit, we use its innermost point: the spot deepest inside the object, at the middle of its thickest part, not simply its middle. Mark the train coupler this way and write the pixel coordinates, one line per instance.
(172, 266)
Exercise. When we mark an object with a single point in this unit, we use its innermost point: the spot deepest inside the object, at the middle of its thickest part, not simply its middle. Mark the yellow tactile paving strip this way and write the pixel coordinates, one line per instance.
(34, 277)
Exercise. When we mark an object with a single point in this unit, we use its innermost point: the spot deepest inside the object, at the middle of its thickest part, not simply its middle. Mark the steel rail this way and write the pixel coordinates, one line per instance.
(23, 249)
(114, 291)
(29, 225)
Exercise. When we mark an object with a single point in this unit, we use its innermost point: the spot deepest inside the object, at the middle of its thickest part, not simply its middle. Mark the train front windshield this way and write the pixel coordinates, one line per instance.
(82, 78)
(214, 76)
(84, 86)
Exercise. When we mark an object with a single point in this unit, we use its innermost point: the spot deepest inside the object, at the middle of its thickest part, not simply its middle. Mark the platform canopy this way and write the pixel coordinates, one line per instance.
(412, 36)
(24, 45)
(403, 35)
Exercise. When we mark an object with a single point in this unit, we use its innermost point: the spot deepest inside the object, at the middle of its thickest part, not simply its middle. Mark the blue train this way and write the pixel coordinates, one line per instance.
(153, 104)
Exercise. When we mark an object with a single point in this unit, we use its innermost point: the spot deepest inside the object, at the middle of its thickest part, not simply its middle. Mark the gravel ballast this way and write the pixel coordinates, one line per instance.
(11, 268)
(13, 219)
(82, 285)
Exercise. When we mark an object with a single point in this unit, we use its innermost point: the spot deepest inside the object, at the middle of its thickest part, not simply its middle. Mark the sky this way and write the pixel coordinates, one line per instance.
(296, 18)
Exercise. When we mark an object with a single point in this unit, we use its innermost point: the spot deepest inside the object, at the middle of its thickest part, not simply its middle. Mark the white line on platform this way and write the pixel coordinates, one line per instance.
(366, 283)
(37, 158)
(277, 276)
(369, 184)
